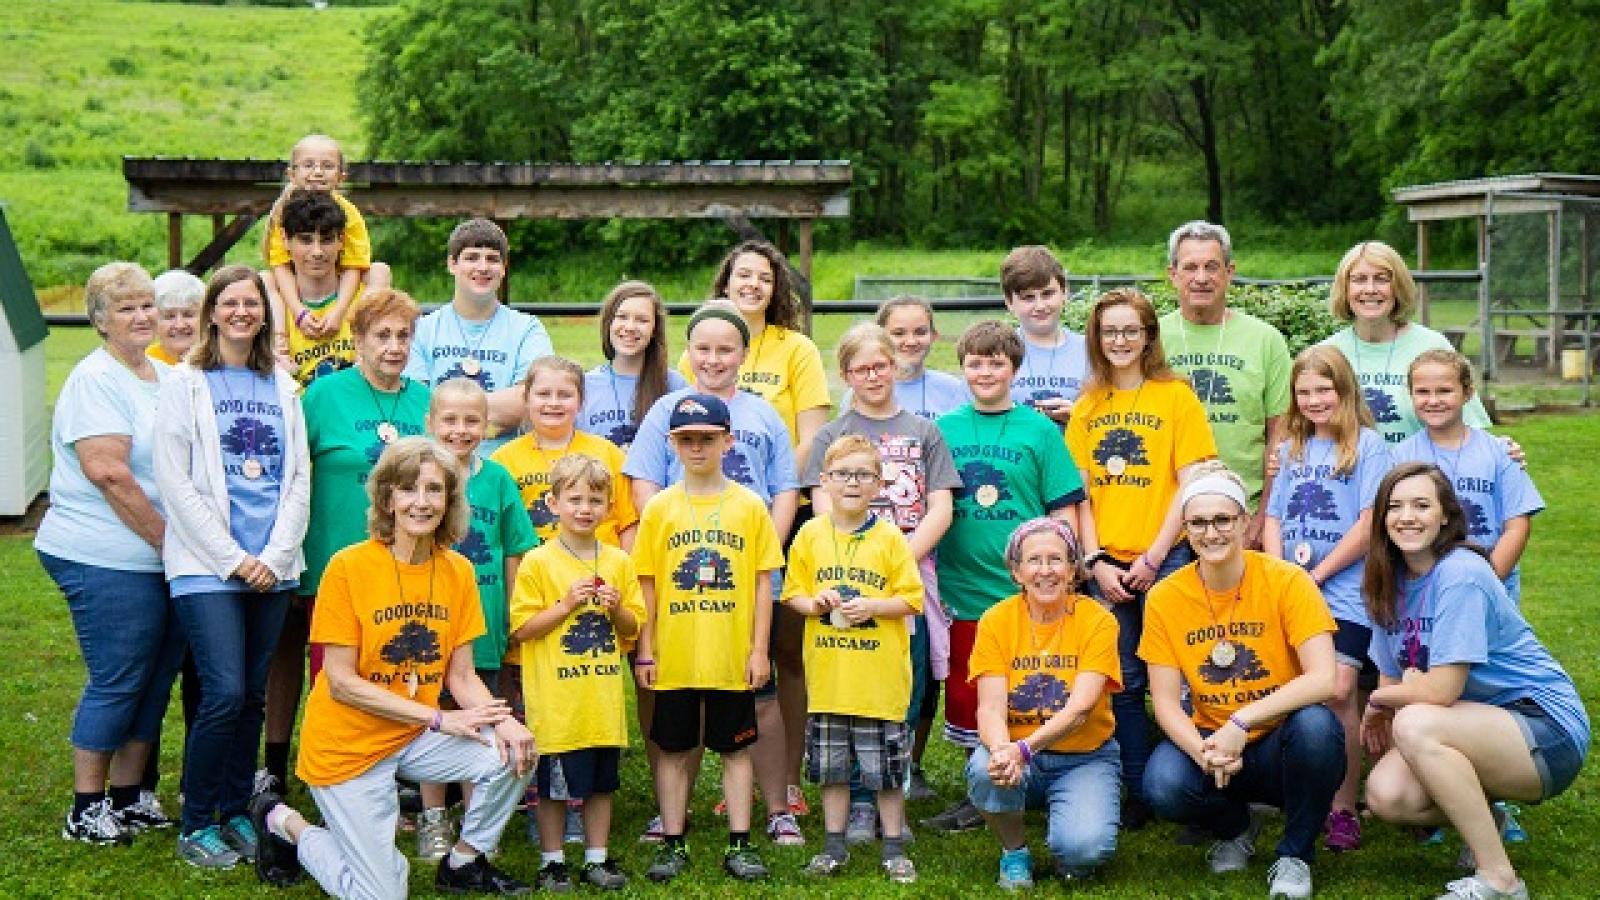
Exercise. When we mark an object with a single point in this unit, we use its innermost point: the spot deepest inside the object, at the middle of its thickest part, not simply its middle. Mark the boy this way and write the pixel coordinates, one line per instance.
(705, 553)
(577, 601)
(853, 577)
(1054, 359)
(313, 228)
(1014, 467)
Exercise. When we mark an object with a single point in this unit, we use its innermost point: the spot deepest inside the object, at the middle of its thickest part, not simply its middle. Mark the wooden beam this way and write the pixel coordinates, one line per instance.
(212, 253)
(1422, 266)
(174, 240)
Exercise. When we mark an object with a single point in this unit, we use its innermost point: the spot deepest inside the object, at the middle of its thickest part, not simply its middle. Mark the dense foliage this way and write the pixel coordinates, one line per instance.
(1299, 312)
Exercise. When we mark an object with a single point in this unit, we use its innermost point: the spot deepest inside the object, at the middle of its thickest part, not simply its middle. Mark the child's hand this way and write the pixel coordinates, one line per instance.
(581, 592)
(331, 320)
(280, 344)
(609, 598)
(827, 599)
(855, 610)
(756, 670)
(314, 328)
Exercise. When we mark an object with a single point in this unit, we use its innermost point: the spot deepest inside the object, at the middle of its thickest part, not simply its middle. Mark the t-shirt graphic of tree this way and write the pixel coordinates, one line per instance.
(1041, 694)
(1477, 519)
(250, 437)
(1211, 386)
(622, 435)
(414, 643)
(851, 592)
(686, 577)
(539, 512)
(736, 467)
(483, 378)
(1042, 395)
(1381, 404)
(1122, 442)
(475, 548)
(591, 634)
(1310, 498)
(1246, 666)
(327, 366)
(375, 451)
(977, 474)
(1413, 653)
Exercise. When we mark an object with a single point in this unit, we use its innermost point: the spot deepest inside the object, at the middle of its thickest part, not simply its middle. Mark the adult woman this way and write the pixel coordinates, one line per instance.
(235, 477)
(1471, 707)
(1374, 292)
(633, 338)
(397, 615)
(178, 294)
(351, 416)
(100, 541)
(1045, 661)
(1138, 432)
(1251, 638)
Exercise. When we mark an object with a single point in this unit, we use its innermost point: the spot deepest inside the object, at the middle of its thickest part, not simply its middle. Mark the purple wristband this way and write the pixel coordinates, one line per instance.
(438, 720)
(1241, 724)
(1025, 750)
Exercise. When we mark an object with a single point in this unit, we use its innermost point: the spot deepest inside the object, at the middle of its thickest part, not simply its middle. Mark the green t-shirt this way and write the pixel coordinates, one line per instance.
(1240, 372)
(1381, 370)
(499, 528)
(1014, 467)
(342, 414)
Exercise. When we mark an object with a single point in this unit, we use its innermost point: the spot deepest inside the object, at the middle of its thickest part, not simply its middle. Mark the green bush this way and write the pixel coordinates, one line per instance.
(1299, 312)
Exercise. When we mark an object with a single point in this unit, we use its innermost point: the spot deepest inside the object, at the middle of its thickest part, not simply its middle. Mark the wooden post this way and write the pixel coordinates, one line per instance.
(218, 222)
(1422, 266)
(174, 240)
(805, 268)
(1556, 326)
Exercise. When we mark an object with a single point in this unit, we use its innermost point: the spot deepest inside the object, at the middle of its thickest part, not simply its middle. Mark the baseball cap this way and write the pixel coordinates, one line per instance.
(699, 412)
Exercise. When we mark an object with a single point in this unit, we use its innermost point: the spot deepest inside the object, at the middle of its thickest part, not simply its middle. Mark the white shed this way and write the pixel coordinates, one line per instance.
(24, 419)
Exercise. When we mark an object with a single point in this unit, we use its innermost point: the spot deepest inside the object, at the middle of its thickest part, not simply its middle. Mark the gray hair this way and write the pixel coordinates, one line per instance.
(112, 282)
(178, 289)
(1199, 230)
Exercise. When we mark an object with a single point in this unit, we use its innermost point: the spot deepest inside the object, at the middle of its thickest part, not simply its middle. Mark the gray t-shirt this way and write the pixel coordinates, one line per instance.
(915, 461)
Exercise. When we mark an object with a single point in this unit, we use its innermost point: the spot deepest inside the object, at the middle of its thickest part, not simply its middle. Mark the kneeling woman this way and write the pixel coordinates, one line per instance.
(1471, 707)
(1045, 663)
(397, 614)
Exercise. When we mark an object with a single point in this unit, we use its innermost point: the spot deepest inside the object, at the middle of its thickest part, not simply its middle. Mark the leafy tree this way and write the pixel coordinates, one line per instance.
(736, 467)
(1247, 666)
(1381, 404)
(590, 634)
(687, 575)
(250, 436)
(482, 376)
(539, 512)
(475, 548)
(1040, 693)
(1122, 442)
(413, 643)
(1211, 385)
(1310, 498)
(1477, 518)
(977, 474)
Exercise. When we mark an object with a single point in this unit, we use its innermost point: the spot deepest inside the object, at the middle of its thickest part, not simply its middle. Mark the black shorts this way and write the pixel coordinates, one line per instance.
(724, 721)
(1350, 644)
(587, 772)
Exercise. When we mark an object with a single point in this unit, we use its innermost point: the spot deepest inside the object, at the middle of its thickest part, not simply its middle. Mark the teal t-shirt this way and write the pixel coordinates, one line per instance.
(1381, 371)
(499, 528)
(1240, 372)
(1014, 466)
(342, 414)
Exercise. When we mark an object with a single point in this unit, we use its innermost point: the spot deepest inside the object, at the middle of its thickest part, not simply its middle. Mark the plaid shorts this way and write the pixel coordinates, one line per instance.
(837, 744)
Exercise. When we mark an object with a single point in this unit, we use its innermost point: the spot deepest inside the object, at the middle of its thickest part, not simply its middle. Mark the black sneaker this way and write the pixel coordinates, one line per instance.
(963, 816)
(277, 860)
(604, 875)
(1136, 813)
(478, 877)
(669, 863)
(744, 863)
(555, 878)
(144, 814)
(96, 824)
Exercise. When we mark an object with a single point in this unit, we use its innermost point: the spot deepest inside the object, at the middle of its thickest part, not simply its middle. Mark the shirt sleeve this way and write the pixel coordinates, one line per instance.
(468, 603)
(623, 512)
(1278, 365)
(1098, 651)
(1063, 486)
(527, 595)
(1381, 652)
(632, 594)
(1518, 494)
(942, 474)
(780, 456)
(905, 580)
(1192, 439)
(92, 406)
(647, 543)
(1305, 614)
(1460, 624)
(990, 656)
(333, 616)
(647, 455)
(357, 250)
(1077, 436)
(277, 245)
(535, 343)
(810, 378)
(1155, 647)
(765, 550)
(811, 466)
(1370, 468)
(800, 576)
(1280, 484)
(419, 366)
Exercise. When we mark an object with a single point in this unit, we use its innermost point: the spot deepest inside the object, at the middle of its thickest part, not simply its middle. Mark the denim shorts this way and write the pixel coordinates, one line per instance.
(1350, 644)
(1557, 757)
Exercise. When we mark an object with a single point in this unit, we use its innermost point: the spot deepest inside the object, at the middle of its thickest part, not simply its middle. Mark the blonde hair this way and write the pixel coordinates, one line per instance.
(1348, 420)
(905, 301)
(110, 283)
(381, 304)
(558, 364)
(1384, 257)
(400, 466)
(457, 388)
(1450, 359)
(579, 470)
(862, 336)
(849, 445)
(275, 215)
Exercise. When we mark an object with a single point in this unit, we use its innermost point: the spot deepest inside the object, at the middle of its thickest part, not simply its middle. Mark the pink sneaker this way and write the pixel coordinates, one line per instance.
(1342, 833)
(797, 801)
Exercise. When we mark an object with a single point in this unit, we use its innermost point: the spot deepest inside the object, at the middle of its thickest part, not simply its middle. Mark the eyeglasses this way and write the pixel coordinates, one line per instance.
(876, 370)
(318, 166)
(1223, 524)
(851, 476)
(1129, 334)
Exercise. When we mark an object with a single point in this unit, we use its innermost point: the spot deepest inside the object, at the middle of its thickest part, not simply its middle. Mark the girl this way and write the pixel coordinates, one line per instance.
(909, 322)
(1328, 473)
(1471, 707)
(617, 395)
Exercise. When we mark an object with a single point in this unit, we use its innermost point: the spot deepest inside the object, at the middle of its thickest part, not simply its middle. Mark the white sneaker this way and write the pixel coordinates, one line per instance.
(1475, 888)
(97, 824)
(433, 834)
(1289, 877)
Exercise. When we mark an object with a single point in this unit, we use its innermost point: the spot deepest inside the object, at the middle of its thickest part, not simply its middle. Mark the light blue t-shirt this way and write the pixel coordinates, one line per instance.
(1382, 370)
(504, 347)
(608, 403)
(1050, 372)
(761, 458)
(1460, 614)
(1492, 488)
(932, 394)
(100, 398)
(249, 426)
(1317, 509)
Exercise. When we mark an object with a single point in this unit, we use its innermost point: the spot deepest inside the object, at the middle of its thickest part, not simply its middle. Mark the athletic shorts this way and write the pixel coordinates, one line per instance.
(594, 770)
(723, 721)
(961, 695)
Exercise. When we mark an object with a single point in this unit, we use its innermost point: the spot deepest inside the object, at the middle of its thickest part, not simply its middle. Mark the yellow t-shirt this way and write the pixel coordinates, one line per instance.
(864, 670)
(530, 469)
(157, 352)
(1040, 663)
(573, 677)
(1154, 431)
(356, 252)
(1279, 609)
(784, 368)
(405, 621)
(704, 555)
(315, 357)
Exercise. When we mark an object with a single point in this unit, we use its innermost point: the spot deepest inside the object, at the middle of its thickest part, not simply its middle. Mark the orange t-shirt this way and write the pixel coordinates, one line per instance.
(1279, 609)
(1040, 663)
(405, 621)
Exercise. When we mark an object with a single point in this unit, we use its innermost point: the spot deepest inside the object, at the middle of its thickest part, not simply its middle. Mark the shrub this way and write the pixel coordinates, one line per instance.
(1299, 312)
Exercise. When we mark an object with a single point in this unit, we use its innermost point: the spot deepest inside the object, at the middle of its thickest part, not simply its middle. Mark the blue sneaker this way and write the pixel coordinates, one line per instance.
(1016, 870)
(1511, 831)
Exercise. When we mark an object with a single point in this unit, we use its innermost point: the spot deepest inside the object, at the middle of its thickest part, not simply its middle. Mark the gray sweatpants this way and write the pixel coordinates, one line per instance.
(353, 855)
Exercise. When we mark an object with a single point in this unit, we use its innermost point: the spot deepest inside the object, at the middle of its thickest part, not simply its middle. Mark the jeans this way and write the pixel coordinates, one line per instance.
(1297, 767)
(131, 645)
(231, 637)
(1080, 792)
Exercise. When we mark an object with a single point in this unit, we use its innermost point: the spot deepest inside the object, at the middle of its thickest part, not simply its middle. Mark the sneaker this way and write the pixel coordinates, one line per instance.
(205, 849)
(477, 877)
(242, 837)
(917, 787)
(744, 863)
(433, 834)
(1511, 831)
(862, 826)
(1475, 888)
(823, 865)
(654, 831)
(1342, 832)
(1233, 855)
(1136, 813)
(1465, 860)
(1016, 870)
(277, 860)
(603, 875)
(267, 783)
(572, 830)
(783, 830)
(1430, 837)
(554, 877)
(900, 870)
(97, 824)
(961, 817)
(797, 801)
(1289, 877)
(146, 814)
(669, 863)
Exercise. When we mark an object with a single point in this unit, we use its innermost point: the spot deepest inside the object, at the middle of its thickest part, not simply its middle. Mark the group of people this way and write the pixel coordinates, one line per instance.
(478, 545)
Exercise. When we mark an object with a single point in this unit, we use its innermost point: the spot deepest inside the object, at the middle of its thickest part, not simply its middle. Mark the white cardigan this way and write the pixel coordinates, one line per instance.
(194, 488)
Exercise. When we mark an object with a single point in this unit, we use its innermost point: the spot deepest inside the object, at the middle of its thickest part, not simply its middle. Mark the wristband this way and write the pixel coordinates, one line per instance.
(1145, 558)
(438, 720)
(1241, 724)
(1025, 750)
(1095, 557)
(644, 662)
(300, 317)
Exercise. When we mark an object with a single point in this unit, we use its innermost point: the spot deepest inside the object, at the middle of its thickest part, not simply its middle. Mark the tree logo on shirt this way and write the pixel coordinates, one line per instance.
(475, 548)
(702, 569)
(1413, 652)
(1122, 442)
(591, 634)
(1310, 498)
(539, 512)
(482, 376)
(250, 437)
(375, 451)
(737, 468)
(623, 434)
(1211, 386)
(1247, 666)
(1381, 404)
(414, 643)
(1039, 396)
(326, 366)
(851, 592)
(1477, 519)
(1040, 694)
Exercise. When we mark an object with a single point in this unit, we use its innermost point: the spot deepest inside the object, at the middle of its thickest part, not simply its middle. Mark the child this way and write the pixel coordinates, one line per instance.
(705, 556)
(317, 164)
(854, 578)
(617, 395)
(553, 392)
(577, 600)
(929, 394)
(313, 225)
(1054, 359)
(1319, 517)
(497, 535)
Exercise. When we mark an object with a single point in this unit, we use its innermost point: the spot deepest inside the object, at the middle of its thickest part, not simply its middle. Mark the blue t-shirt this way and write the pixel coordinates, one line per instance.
(932, 394)
(1459, 614)
(1317, 509)
(761, 458)
(1050, 372)
(504, 347)
(1493, 489)
(608, 403)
